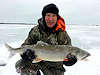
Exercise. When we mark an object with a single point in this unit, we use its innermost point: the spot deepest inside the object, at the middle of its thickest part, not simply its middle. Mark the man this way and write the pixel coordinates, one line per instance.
(50, 29)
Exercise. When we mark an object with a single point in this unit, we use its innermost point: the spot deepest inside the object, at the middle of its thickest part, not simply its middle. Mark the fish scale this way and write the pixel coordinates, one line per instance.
(46, 52)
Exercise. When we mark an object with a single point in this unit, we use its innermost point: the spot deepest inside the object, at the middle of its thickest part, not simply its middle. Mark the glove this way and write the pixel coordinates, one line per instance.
(28, 55)
(71, 60)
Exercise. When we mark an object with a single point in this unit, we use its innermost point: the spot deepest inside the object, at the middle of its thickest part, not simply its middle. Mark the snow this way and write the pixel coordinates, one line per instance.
(83, 36)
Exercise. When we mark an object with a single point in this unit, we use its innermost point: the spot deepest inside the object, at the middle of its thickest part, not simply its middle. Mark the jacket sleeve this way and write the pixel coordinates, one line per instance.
(32, 38)
(63, 38)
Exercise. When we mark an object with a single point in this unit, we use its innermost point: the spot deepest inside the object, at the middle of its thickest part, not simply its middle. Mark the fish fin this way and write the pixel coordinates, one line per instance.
(36, 60)
(10, 49)
(65, 59)
(86, 59)
(41, 43)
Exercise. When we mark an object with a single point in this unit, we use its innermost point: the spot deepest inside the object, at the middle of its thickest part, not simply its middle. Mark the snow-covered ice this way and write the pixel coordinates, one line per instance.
(83, 36)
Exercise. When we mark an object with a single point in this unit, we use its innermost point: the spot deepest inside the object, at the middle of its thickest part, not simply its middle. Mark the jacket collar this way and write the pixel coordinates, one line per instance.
(59, 26)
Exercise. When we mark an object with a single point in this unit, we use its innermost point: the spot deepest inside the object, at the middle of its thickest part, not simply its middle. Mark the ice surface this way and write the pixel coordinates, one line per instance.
(86, 37)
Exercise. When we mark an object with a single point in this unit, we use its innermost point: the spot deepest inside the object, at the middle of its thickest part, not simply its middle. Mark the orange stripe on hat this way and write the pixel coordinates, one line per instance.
(60, 24)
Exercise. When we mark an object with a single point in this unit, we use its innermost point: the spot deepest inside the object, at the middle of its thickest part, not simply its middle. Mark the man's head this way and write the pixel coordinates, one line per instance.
(50, 14)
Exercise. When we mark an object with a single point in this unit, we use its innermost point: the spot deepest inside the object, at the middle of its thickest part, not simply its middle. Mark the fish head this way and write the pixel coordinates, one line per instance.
(79, 53)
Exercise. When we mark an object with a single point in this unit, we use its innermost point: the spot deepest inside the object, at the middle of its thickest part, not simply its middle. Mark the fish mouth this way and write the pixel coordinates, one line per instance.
(86, 56)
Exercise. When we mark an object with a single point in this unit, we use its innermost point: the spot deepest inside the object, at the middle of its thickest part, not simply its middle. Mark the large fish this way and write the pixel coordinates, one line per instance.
(54, 53)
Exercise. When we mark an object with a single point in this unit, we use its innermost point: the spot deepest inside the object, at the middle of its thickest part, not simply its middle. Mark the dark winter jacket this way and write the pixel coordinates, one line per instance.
(41, 33)
(52, 37)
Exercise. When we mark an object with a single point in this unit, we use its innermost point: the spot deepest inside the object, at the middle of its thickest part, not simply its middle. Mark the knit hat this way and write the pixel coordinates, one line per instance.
(50, 8)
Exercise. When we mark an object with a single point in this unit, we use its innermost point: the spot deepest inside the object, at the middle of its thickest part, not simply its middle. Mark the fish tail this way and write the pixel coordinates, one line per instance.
(10, 49)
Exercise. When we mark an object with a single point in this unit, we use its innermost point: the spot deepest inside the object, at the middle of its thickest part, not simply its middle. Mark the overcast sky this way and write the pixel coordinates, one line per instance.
(29, 11)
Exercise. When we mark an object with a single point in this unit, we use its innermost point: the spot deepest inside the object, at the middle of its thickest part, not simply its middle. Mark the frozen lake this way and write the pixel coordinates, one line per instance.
(84, 36)
(13, 33)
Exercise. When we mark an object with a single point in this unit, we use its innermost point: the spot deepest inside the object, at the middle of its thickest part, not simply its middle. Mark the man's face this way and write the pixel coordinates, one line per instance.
(50, 19)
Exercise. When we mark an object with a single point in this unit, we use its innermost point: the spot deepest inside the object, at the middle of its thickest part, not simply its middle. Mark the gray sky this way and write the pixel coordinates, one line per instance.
(29, 11)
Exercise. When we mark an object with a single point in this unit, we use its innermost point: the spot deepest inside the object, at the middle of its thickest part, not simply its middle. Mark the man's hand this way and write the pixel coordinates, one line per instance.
(28, 55)
(71, 60)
